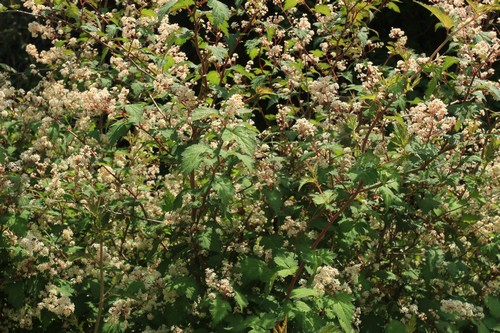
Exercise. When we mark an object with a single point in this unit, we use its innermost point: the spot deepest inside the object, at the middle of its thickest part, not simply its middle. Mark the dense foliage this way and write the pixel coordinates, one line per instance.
(138, 193)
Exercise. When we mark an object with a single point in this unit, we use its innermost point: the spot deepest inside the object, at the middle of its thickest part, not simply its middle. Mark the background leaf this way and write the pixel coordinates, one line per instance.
(193, 156)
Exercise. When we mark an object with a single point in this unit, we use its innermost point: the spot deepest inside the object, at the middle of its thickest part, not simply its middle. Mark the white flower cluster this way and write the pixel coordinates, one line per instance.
(305, 128)
(56, 302)
(293, 227)
(257, 8)
(324, 90)
(429, 122)
(223, 285)
(398, 34)
(369, 74)
(121, 308)
(462, 309)
(32, 244)
(326, 281)
(7, 96)
(233, 106)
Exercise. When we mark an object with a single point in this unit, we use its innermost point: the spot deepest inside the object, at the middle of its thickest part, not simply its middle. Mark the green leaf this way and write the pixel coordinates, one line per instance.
(165, 9)
(219, 309)
(225, 190)
(493, 304)
(65, 288)
(428, 203)
(180, 4)
(395, 326)
(209, 239)
(147, 12)
(253, 269)
(344, 311)
(388, 196)
(137, 88)
(287, 263)
(441, 15)
(274, 199)
(240, 299)
(448, 62)
(302, 306)
(244, 137)
(392, 6)
(303, 292)
(246, 160)
(114, 327)
(135, 113)
(324, 198)
(193, 156)
(220, 12)
(203, 113)
(289, 4)
(213, 77)
(491, 87)
(219, 52)
(368, 175)
(118, 130)
(15, 294)
(252, 53)
(323, 9)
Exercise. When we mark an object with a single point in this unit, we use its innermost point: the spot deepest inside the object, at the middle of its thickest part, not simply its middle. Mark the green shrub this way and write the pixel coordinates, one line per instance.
(194, 166)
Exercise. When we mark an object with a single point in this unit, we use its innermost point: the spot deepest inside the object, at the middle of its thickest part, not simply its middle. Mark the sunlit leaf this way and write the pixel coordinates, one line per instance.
(441, 15)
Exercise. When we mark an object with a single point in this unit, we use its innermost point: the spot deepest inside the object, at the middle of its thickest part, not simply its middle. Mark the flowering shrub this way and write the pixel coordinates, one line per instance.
(139, 195)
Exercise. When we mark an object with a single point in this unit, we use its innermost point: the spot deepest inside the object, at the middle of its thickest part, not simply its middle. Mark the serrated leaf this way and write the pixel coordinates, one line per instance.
(193, 156)
(165, 9)
(323, 9)
(111, 30)
(135, 113)
(114, 327)
(492, 89)
(246, 160)
(220, 12)
(209, 239)
(289, 4)
(286, 261)
(274, 199)
(219, 309)
(395, 326)
(65, 289)
(147, 12)
(392, 6)
(344, 311)
(219, 52)
(388, 196)
(203, 113)
(441, 15)
(213, 77)
(448, 62)
(137, 87)
(303, 292)
(15, 294)
(181, 4)
(225, 190)
(302, 306)
(252, 53)
(240, 299)
(493, 304)
(244, 137)
(324, 198)
(264, 91)
(118, 130)
(428, 203)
